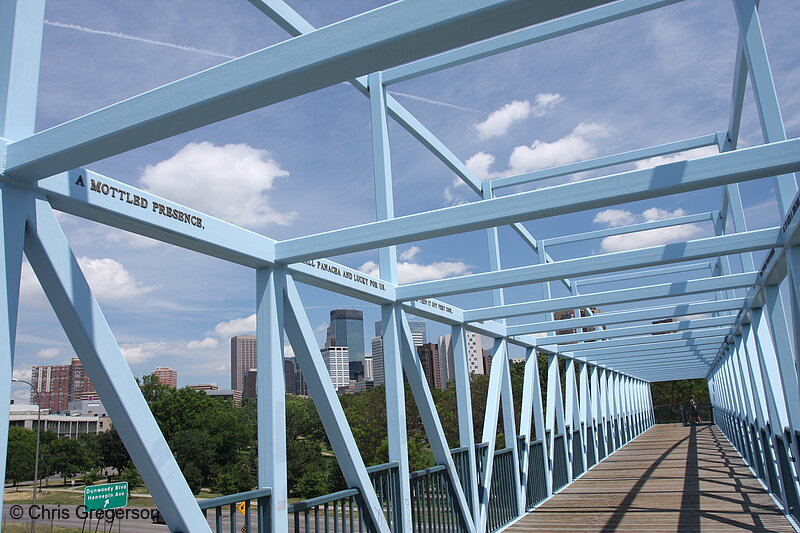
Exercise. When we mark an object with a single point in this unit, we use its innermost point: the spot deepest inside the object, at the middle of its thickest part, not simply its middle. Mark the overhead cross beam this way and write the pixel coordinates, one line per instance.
(375, 40)
(683, 176)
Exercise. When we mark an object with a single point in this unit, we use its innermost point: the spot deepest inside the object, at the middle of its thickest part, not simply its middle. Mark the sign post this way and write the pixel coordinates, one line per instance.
(107, 496)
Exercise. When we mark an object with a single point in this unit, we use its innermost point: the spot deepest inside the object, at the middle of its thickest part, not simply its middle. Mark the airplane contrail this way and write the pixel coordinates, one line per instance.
(84, 29)
(437, 102)
(214, 53)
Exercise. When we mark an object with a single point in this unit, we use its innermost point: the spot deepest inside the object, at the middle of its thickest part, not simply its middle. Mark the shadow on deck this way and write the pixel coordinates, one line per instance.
(671, 478)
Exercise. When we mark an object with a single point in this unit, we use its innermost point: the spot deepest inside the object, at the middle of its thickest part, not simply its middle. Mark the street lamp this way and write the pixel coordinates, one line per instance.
(38, 433)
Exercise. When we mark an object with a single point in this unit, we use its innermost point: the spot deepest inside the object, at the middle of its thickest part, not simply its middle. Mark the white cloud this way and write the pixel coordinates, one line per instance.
(545, 102)
(237, 326)
(209, 343)
(109, 280)
(139, 353)
(48, 353)
(614, 217)
(408, 255)
(642, 239)
(498, 121)
(479, 164)
(578, 145)
(22, 373)
(229, 182)
(680, 156)
(408, 272)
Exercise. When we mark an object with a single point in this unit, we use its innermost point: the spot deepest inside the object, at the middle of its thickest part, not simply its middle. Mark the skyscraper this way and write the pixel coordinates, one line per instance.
(377, 361)
(338, 362)
(419, 331)
(475, 363)
(166, 376)
(346, 329)
(60, 384)
(429, 356)
(243, 358)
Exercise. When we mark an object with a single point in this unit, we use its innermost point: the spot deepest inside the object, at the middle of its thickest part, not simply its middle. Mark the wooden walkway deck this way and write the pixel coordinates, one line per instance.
(671, 478)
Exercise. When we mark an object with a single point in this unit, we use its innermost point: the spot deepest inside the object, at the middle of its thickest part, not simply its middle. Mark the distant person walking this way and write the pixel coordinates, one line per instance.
(694, 412)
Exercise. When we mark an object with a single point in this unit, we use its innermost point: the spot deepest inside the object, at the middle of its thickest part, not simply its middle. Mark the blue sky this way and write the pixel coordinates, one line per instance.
(304, 166)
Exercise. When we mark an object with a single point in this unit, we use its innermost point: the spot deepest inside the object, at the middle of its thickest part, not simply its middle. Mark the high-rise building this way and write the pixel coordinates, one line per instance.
(419, 331)
(346, 329)
(429, 356)
(474, 353)
(337, 359)
(475, 363)
(166, 376)
(243, 358)
(378, 376)
(368, 369)
(446, 360)
(250, 384)
(60, 384)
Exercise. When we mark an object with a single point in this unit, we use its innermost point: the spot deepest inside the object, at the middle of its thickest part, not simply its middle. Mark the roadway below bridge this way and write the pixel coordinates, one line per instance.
(671, 478)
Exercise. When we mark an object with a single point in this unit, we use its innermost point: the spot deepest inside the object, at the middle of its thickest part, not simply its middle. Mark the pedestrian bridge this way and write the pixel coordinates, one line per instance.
(724, 307)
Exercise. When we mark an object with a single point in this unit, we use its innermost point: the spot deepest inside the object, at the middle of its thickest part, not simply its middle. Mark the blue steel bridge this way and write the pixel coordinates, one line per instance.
(736, 323)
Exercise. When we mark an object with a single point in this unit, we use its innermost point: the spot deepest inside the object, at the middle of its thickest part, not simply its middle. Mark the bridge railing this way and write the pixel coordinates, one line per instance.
(340, 511)
(231, 504)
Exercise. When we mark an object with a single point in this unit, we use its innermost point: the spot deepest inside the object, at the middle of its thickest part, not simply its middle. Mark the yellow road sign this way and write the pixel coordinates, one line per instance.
(240, 507)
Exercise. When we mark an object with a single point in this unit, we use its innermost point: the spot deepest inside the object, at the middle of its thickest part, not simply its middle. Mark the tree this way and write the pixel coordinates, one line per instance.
(20, 459)
(112, 451)
(68, 457)
(152, 388)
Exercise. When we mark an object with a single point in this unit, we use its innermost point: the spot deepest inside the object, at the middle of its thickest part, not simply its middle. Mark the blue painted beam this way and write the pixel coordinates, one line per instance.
(622, 230)
(719, 333)
(634, 315)
(606, 161)
(655, 346)
(672, 178)
(83, 321)
(381, 38)
(618, 296)
(597, 264)
(504, 43)
(649, 329)
(645, 274)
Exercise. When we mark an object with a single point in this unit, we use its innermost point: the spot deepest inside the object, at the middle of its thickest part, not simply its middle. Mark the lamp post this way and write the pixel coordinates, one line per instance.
(38, 434)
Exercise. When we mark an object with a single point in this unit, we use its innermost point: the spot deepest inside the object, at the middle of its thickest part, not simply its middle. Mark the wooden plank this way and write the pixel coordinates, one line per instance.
(671, 478)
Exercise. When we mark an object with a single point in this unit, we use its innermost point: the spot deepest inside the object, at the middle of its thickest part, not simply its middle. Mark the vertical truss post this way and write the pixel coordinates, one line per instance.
(12, 233)
(271, 394)
(20, 53)
(748, 354)
(652, 418)
(747, 399)
(466, 434)
(390, 314)
(595, 418)
(585, 417)
(780, 333)
(510, 431)
(768, 367)
(430, 419)
(499, 363)
(604, 411)
(304, 344)
(555, 410)
(571, 413)
(65, 286)
(532, 411)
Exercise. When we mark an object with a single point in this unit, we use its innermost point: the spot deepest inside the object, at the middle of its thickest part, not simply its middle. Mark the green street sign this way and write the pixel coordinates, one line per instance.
(108, 496)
